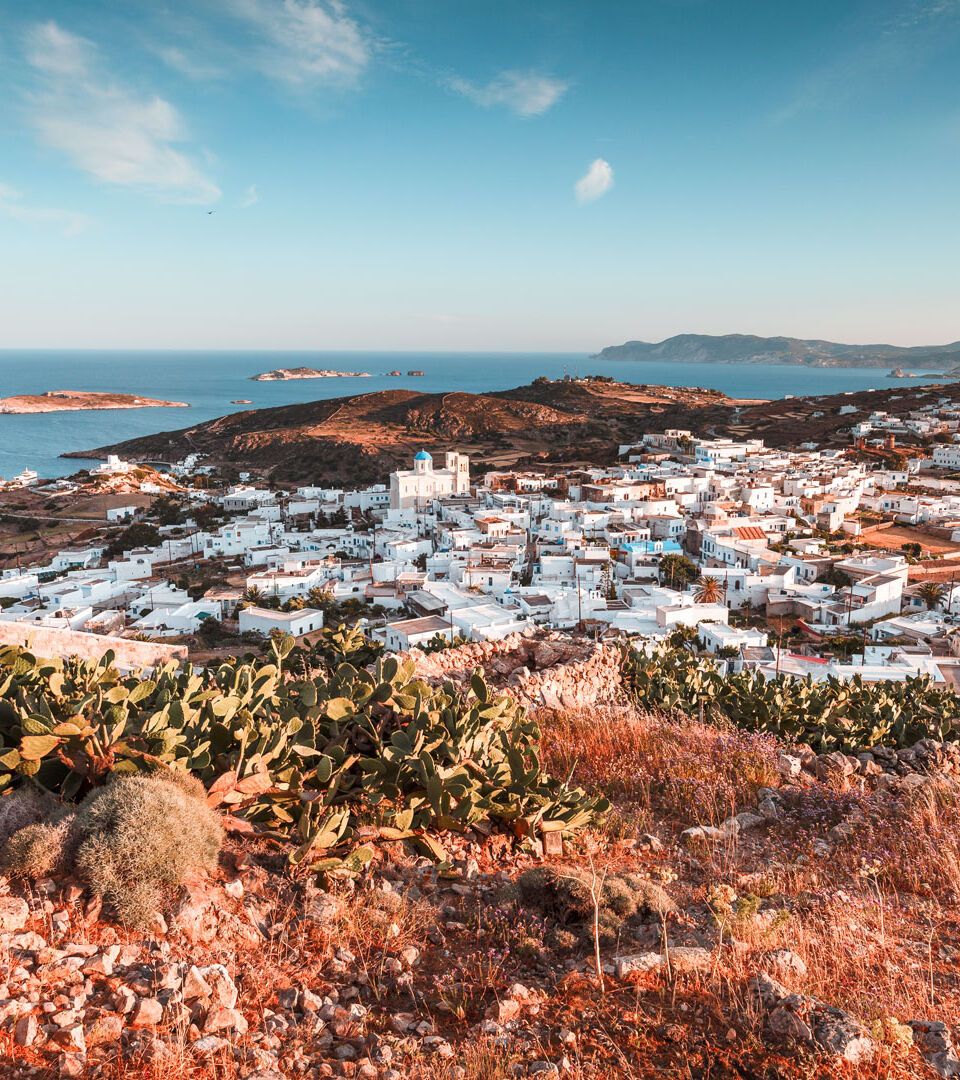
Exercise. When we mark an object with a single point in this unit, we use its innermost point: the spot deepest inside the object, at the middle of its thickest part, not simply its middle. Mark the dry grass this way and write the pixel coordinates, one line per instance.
(653, 767)
(875, 921)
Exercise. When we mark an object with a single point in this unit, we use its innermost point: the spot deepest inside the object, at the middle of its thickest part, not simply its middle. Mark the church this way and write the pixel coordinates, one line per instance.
(417, 486)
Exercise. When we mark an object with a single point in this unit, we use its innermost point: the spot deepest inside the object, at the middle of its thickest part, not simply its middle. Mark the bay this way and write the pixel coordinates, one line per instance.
(209, 381)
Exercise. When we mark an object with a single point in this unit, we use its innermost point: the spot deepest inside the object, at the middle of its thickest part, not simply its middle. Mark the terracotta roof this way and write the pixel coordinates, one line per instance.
(750, 532)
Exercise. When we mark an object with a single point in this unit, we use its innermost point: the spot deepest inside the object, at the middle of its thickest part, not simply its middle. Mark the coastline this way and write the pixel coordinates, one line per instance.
(209, 381)
(59, 401)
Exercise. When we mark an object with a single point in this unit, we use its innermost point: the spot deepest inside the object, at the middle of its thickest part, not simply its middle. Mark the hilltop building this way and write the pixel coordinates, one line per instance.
(413, 488)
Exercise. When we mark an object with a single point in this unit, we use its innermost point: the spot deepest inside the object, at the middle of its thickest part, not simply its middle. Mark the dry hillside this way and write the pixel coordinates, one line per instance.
(360, 438)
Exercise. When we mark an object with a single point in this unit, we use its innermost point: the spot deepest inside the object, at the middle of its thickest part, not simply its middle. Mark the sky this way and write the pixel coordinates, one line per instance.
(552, 175)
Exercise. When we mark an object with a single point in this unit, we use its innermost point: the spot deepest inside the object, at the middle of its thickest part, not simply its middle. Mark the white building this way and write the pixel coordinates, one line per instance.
(423, 483)
(947, 457)
(715, 636)
(121, 513)
(113, 466)
(408, 633)
(173, 622)
(257, 620)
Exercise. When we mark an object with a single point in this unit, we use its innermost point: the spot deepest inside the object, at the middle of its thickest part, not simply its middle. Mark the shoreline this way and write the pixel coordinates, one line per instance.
(56, 401)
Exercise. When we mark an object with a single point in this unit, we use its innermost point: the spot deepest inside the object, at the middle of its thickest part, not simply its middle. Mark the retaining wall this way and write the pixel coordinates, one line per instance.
(53, 643)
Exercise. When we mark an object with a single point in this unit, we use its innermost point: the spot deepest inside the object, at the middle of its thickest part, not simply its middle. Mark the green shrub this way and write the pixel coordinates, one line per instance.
(829, 715)
(319, 755)
(132, 842)
(441, 643)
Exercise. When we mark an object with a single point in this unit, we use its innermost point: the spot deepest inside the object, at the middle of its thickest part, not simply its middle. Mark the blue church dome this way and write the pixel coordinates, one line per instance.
(422, 455)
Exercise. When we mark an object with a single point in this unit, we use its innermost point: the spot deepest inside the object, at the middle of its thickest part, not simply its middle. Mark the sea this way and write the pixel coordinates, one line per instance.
(210, 381)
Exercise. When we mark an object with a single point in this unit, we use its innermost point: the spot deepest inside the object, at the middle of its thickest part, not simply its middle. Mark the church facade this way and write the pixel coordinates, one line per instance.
(414, 488)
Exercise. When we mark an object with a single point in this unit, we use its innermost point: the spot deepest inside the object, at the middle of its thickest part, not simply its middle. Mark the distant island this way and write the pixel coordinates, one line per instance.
(286, 374)
(899, 373)
(750, 349)
(81, 400)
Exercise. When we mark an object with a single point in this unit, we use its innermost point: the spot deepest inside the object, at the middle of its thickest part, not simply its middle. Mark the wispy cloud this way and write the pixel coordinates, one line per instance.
(13, 206)
(596, 181)
(187, 63)
(300, 42)
(249, 197)
(105, 128)
(526, 93)
(886, 44)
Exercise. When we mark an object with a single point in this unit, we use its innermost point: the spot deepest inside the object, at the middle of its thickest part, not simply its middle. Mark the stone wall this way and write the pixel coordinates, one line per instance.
(542, 669)
(52, 642)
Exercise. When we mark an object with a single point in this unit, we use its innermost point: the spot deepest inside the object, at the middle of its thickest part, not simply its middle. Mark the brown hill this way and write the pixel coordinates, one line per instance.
(361, 438)
(358, 437)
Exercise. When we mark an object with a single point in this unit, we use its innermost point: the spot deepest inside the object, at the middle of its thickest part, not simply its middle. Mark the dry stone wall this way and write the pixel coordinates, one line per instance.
(53, 642)
(552, 670)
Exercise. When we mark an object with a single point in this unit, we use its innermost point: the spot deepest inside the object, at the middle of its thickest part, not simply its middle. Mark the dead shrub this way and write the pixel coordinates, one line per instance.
(26, 805)
(136, 839)
(131, 842)
(567, 896)
(39, 850)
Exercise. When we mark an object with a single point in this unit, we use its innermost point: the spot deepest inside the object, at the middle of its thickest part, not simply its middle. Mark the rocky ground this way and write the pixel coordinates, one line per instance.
(756, 910)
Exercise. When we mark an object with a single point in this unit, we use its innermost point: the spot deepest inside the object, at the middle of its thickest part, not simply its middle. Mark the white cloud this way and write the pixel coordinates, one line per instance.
(105, 128)
(524, 92)
(56, 51)
(12, 206)
(305, 41)
(596, 181)
(886, 44)
(249, 197)
(187, 64)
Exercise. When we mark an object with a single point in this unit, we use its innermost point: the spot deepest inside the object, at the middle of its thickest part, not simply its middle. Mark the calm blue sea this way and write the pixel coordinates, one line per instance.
(209, 380)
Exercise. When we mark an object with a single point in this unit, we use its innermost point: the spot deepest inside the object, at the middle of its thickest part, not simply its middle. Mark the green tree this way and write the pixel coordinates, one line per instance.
(677, 571)
(709, 590)
(931, 593)
(140, 534)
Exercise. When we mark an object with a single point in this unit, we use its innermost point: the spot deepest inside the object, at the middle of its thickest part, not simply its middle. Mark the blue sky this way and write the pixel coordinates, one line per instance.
(446, 174)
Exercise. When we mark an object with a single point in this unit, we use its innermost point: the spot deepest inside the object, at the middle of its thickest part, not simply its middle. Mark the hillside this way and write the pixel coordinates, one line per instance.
(361, 438)
(750, 349)
(692, 900)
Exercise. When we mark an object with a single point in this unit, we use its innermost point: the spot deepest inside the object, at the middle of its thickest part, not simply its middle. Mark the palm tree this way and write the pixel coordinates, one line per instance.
(317, 597)
(254, 595)
(708, 591)
(931, 593)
